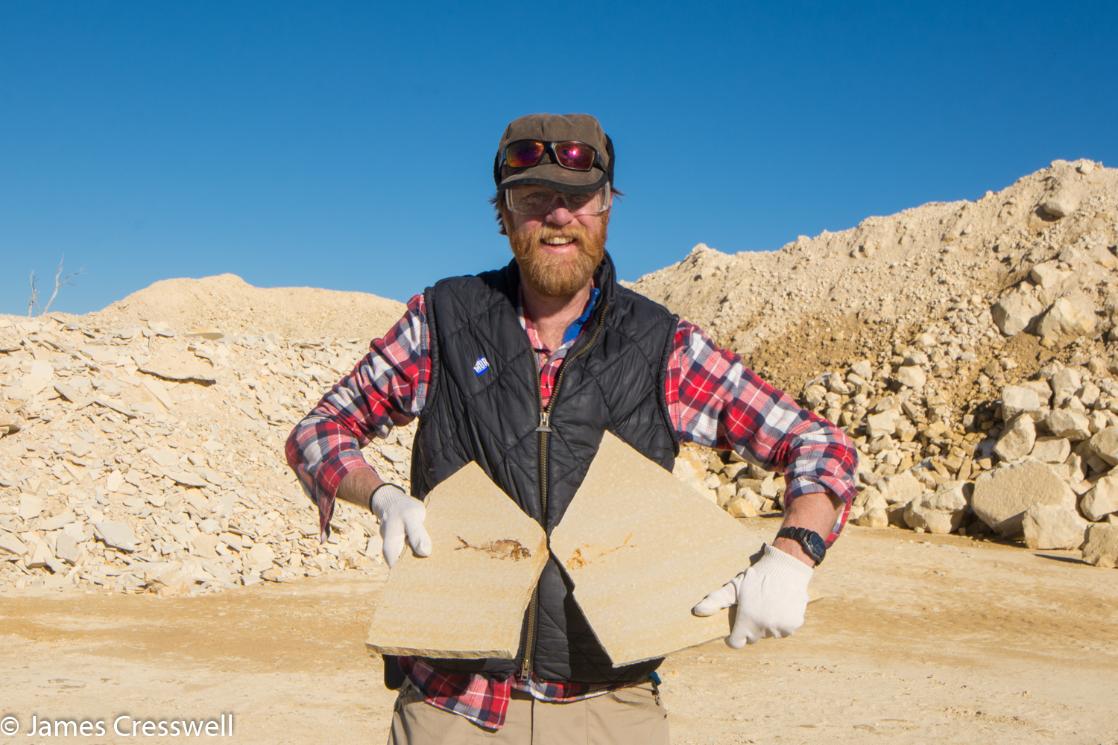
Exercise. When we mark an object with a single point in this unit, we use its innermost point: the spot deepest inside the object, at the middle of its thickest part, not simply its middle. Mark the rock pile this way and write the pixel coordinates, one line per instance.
(984, 395)
(135, 456)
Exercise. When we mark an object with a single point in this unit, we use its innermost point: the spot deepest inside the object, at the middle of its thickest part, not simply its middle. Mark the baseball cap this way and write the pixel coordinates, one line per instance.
(556, 128)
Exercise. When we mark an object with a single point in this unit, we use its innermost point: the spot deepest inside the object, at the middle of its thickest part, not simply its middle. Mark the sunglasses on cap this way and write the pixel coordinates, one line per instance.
(570, 154)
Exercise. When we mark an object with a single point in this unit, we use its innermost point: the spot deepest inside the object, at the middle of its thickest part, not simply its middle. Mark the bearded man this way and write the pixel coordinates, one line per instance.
(522, 369)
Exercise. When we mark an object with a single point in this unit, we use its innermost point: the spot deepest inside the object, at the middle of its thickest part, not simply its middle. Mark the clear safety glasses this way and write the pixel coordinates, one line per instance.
(539, 200)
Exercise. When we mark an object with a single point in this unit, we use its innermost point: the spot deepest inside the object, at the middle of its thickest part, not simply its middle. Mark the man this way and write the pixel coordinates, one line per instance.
(521, 370)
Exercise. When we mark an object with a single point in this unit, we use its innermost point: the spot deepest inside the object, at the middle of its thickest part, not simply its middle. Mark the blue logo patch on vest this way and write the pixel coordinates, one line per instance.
(481, 366)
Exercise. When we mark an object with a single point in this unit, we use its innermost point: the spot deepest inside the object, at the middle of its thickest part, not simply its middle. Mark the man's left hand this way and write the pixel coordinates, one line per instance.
(771, 598)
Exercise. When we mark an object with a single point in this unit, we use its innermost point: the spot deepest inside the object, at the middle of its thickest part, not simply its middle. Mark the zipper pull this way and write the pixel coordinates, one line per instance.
(545, 417)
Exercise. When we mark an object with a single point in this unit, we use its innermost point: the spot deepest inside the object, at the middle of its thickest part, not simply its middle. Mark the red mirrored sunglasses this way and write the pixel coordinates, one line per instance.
(572, 154)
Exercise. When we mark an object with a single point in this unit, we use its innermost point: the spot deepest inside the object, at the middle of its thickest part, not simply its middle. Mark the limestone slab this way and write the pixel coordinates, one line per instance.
(467, 599)
(1002, 496)
(180, 367)
(642, 549)
(116, 534)
(1053, 526)
(1101, 545)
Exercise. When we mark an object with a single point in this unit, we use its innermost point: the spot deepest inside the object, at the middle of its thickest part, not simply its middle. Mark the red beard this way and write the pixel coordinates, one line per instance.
(558, 275)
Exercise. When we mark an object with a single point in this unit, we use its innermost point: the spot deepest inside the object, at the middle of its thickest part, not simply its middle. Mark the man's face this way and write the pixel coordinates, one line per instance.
(558, 248)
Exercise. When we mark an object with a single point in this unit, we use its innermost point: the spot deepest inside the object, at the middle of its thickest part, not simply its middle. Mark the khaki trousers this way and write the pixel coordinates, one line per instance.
(626, 716)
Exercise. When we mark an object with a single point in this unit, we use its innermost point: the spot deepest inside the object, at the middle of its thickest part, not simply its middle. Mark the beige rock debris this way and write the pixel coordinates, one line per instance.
(1020, 399)
(1048, 526)
(116, 535)
(11, 544)
(1069, 424)
(1101, 545)
(1002, 496)
(1063, 201)
(1051, 449)
(1014, 312)
(1102, 500)
(1018, 440)
(1104, 445)
(940, 512)
(901, 489)
(1070, 316)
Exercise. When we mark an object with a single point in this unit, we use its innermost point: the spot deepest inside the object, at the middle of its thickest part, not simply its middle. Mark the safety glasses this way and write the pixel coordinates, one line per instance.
(538, 200)
(572, 154)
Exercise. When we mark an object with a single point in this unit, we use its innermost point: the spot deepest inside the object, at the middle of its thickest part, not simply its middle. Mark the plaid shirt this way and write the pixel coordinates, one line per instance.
(713, 399)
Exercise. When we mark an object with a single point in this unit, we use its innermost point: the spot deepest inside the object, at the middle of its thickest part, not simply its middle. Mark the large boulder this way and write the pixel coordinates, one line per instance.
(1068, 423)
(1049, 277)
(1070, 316)
(1102, 500)
(1015, 311)
(1002, 496)
(1053, 526)
(1051, 449)
(1060, 202)
(1104, 444)
(1101, 546)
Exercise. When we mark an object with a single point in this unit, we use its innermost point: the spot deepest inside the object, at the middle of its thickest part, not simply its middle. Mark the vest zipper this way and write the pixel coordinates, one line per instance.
(544, 429)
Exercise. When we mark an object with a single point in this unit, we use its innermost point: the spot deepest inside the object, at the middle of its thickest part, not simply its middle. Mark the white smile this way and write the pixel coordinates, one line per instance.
(559, 240)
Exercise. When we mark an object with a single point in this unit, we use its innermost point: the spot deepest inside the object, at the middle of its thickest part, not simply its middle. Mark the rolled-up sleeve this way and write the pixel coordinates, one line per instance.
(386, 388)
(715, 400)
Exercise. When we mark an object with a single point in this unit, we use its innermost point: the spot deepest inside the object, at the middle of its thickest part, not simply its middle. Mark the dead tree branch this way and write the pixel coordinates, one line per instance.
(34, 299)
(60, 280)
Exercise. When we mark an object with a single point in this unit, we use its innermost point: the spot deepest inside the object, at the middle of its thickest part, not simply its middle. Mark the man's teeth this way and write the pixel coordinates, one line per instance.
(559, 240)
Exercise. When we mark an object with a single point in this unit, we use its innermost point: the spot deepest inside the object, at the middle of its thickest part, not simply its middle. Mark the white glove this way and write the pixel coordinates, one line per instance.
(771, 597)
(399, 516)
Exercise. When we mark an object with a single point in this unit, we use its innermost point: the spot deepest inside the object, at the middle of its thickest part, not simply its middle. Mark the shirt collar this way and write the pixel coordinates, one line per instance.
(573, 329)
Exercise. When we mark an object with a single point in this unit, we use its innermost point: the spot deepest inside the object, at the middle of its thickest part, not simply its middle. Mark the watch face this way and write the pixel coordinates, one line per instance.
(816, 546)
(813, 545)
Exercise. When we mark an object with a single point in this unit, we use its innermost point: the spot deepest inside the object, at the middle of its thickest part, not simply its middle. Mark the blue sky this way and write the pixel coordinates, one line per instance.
(350, 145)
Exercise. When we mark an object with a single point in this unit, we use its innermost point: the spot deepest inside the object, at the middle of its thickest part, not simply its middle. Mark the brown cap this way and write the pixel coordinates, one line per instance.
(556, 128)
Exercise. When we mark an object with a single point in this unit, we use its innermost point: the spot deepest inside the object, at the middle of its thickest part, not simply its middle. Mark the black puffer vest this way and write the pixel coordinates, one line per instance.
(484, 405)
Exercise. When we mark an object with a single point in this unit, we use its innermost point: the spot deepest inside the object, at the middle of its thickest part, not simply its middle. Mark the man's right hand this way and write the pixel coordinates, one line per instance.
(400, 517)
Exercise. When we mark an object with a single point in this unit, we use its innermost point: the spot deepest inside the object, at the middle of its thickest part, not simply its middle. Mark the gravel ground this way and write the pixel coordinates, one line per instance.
(909, 639)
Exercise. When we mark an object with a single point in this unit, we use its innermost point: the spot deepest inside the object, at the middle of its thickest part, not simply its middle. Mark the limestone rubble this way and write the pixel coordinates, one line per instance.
(970, 348)
(142, 454)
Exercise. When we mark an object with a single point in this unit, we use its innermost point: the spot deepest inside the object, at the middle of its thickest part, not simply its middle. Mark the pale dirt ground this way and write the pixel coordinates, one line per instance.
(911, 639)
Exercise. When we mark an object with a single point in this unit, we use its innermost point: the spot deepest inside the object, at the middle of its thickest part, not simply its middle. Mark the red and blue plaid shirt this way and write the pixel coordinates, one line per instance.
(713, 399)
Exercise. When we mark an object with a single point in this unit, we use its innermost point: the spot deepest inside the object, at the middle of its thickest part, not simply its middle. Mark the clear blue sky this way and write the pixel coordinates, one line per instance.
(350, 145)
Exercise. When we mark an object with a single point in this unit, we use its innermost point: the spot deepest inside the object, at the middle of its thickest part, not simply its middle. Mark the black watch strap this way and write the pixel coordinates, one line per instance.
(810, 541)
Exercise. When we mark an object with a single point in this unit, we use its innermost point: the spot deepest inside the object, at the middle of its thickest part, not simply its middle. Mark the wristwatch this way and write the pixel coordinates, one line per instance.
(813, 545)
